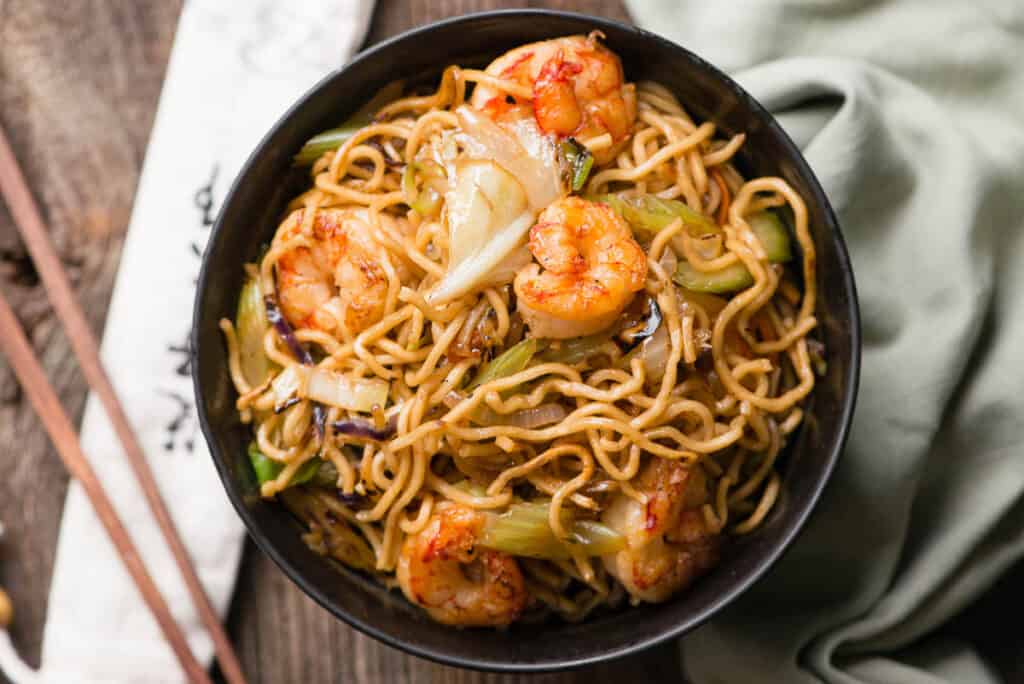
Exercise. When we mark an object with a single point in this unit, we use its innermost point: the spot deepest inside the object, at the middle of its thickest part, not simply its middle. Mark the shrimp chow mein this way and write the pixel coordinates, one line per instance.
(530, 345)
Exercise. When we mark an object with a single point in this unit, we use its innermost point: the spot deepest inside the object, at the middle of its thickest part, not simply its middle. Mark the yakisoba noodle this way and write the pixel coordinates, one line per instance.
(590, 413)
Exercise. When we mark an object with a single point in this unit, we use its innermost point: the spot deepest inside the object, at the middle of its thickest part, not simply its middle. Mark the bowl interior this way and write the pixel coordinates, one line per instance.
(251, 213)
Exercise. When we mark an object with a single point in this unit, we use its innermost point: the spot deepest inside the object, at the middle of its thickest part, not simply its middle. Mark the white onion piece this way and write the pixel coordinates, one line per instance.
(545, 414)
(654, 353)
(505, 272)
(525, 152)
(485, 199)
(286, 385)
(328, 387)
(469, 275)
(352, 394)
(488, 217)
(668, 261)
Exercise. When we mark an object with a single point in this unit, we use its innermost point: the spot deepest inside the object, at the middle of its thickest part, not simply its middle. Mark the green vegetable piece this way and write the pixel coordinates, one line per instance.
(729, 279)
(773, 236)
(427, 201)
(579, 160)
(250, 325)
(524, 530)
(596, 538)
(648, 214)
(326, 475)
(330, 139)
(575, 350)
(334, 138)
(306, 472)
(512, 361)
(268, 469)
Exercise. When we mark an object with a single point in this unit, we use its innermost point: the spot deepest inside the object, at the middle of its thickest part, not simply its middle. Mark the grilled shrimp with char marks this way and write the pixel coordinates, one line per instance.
(336, 276)
(578, 90)
(445, 571)
(588, 269)
(668, 544)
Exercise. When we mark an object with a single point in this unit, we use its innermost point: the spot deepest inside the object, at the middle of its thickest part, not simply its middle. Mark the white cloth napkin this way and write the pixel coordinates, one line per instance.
(233, 70)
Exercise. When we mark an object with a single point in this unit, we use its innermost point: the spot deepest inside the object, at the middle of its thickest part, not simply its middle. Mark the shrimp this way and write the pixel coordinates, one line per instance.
(578, 90)
(443, 570)
(591, 265)
(336, 277)
(668, 544)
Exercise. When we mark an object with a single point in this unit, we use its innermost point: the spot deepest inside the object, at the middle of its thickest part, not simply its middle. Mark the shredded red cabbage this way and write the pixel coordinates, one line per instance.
(355, 499)
(287, 404)
(283, 329)
(357, 427)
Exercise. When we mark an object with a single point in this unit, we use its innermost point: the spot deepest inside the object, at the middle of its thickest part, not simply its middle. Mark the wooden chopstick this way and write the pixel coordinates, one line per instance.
(62, 433)
(33, 231)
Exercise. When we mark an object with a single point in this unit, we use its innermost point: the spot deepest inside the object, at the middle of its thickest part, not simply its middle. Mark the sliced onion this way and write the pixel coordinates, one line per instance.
(505, 272)
(668, 261)
(654, 353)
(250, 324)
(286, 388)
(358, 427)
(453, 398)
(353, 394)
(525, 152)
(488, 217)
(484, 200)
(328, 387)
(545, 414)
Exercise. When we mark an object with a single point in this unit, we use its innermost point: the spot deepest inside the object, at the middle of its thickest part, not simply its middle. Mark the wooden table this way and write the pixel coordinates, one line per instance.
(78, 90)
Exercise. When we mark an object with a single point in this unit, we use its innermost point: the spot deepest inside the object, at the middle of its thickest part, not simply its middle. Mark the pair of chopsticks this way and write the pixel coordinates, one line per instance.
(62, 432)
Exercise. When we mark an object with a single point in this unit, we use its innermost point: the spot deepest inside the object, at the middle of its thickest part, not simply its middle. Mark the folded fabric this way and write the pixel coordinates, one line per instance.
(232, 72)
(912, 116)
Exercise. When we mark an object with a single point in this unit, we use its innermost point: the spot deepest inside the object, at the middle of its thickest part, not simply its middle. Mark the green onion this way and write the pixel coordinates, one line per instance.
(648, 214)
(327, 140)
(512, 361)
(267, 469)
(579, 161)
(251, 324)
(524, 530)
(428, 200)
(773, 237)
(334, 138)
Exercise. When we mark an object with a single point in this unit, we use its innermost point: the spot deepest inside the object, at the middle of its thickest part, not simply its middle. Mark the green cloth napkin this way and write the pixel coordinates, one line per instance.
(912, 116)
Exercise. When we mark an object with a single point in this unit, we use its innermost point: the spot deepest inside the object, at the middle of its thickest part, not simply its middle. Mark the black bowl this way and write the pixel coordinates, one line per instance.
(250, 215)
